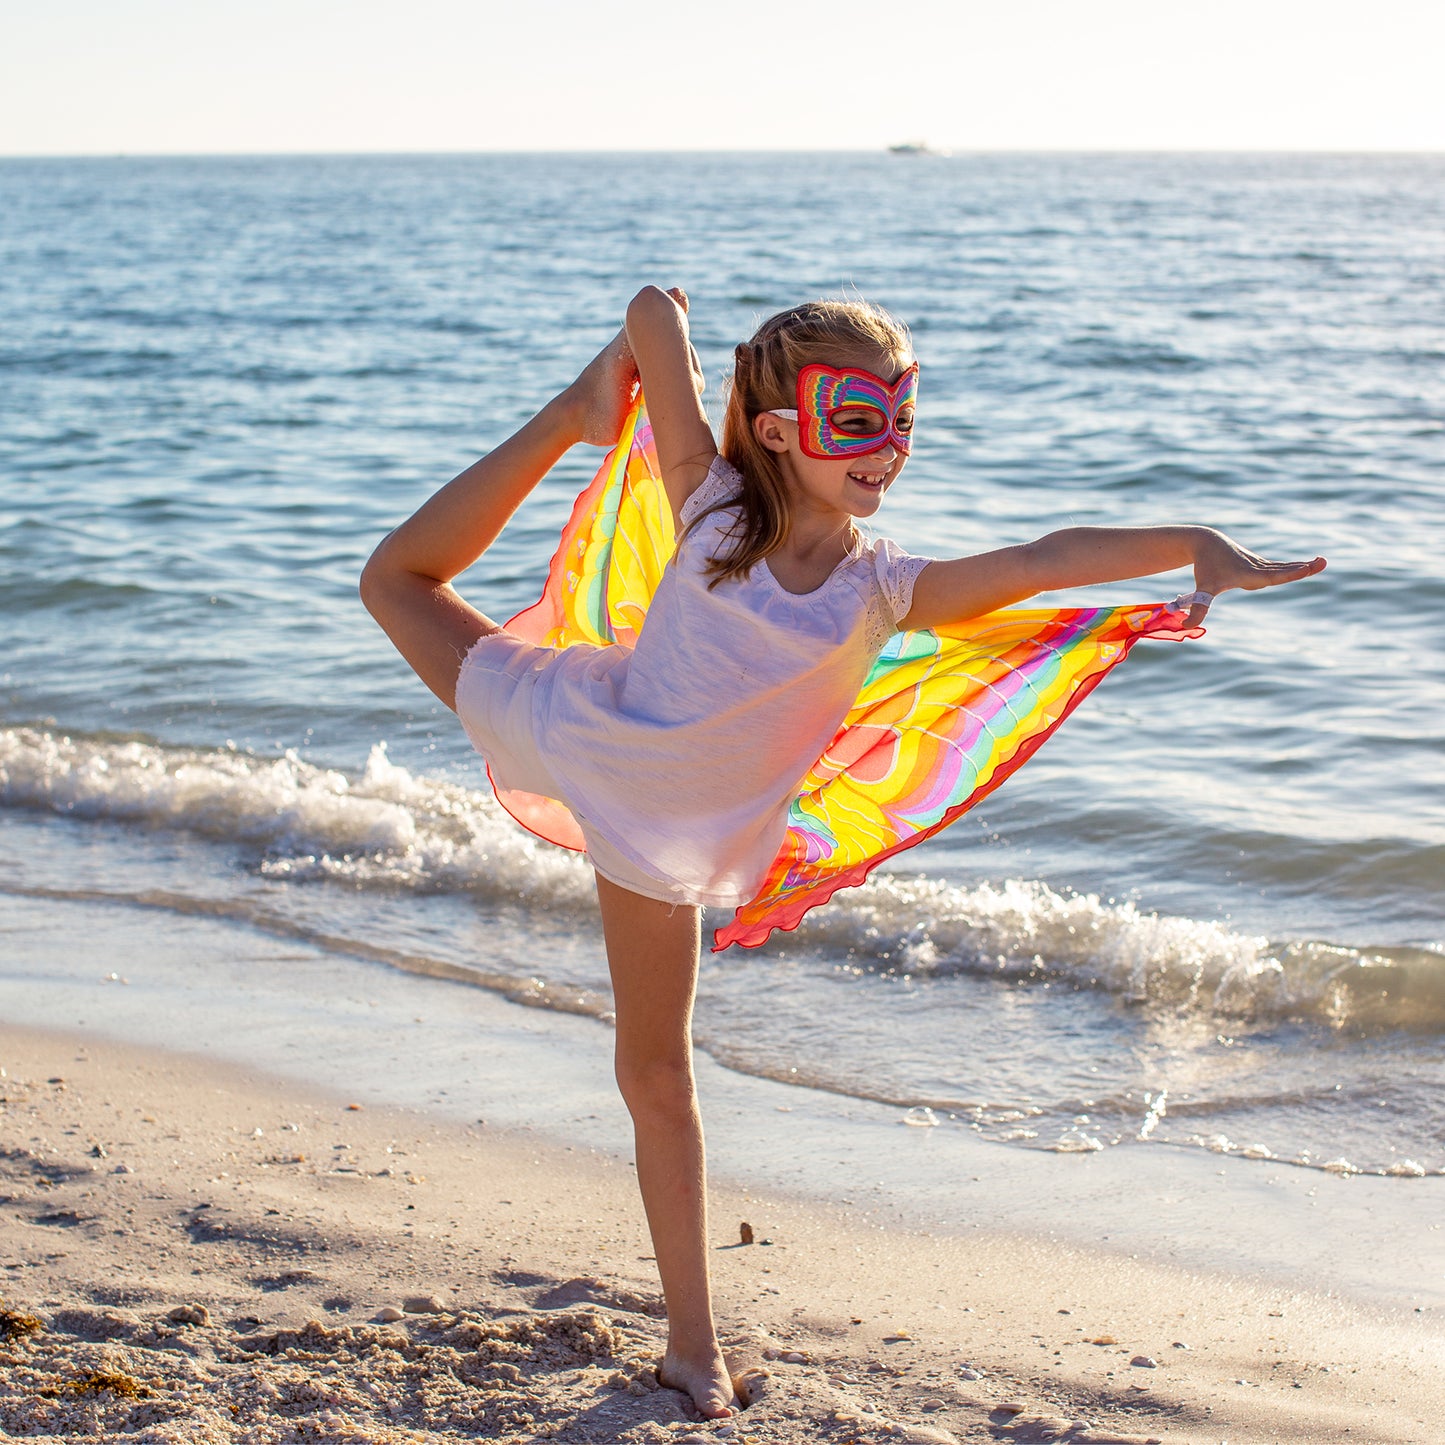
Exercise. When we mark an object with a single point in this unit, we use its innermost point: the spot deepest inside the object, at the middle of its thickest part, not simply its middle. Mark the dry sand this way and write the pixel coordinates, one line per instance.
(193, 1253)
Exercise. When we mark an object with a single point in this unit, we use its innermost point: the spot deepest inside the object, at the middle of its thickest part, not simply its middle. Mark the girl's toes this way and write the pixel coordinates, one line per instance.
(707, 1386)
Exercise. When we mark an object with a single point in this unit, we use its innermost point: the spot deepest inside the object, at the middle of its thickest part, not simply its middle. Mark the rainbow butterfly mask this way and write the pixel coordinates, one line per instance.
(825, 393)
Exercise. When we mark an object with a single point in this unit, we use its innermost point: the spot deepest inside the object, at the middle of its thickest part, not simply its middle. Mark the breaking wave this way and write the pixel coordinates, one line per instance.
(387, 828)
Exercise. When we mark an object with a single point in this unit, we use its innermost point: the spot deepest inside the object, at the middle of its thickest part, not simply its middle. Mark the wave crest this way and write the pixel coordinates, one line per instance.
(390, 828)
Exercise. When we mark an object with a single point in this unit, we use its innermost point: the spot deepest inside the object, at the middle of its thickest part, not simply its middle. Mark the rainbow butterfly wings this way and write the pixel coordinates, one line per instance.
(602, 576)
(612, 552)
(943, 718)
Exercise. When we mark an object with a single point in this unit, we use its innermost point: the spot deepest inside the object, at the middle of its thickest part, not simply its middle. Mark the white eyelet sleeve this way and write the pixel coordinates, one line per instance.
(896, 572)
(721, 484)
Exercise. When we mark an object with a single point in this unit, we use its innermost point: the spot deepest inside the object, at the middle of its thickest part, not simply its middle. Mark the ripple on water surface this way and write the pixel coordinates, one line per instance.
(226, 379)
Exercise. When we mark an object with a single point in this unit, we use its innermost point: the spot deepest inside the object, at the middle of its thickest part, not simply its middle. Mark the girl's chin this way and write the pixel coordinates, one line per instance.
(864, 499)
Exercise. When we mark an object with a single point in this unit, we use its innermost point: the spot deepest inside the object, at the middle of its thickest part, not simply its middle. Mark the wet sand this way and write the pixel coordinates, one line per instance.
(194, 1252)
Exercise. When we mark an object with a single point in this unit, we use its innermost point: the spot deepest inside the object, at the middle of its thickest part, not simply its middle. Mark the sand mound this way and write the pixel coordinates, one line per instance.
(111, 1374)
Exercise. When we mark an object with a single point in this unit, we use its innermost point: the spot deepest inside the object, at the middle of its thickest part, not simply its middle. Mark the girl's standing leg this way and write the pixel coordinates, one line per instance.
(652, 950)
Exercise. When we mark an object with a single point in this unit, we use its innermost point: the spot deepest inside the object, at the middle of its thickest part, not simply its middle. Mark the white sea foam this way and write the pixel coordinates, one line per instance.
(1021, 928)
(388, 828)
(384, 828)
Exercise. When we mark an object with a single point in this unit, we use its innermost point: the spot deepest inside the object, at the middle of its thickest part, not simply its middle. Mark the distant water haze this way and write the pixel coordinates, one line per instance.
(1208, 914)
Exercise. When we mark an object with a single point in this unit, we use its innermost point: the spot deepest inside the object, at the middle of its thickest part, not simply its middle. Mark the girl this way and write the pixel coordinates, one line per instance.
(678, 757)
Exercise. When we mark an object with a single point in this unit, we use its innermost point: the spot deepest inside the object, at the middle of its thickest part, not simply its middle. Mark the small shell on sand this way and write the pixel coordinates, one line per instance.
(1143, 1362)
(424, 1304)
(389, 1314)
(189, 1315)
(793, 1357)
(788, 1357)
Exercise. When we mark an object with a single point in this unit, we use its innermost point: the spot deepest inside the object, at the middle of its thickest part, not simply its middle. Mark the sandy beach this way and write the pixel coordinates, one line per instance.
(196, 1250)
(197, 1253)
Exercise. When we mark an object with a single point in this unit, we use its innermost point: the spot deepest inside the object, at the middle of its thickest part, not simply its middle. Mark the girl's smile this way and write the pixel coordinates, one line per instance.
(868, 479)
(829, 492)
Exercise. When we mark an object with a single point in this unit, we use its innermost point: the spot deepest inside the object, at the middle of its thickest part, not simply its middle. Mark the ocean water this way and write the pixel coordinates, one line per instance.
(1208, 915)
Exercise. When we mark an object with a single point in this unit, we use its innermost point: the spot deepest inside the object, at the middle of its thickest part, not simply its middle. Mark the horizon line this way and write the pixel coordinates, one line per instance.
(939, 153)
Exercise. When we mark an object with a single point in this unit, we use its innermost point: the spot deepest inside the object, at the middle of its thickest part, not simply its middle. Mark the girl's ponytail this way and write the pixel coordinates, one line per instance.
(764, 497)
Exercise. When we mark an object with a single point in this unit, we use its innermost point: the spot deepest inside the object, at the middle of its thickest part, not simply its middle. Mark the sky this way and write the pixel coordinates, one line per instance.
(102, 77)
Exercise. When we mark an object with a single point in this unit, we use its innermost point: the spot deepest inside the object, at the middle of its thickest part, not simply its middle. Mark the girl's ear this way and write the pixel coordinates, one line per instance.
(771, 432)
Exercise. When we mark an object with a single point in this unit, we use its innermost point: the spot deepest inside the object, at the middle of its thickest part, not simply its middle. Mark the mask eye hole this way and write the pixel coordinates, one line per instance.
(904, 421)
(858, 421)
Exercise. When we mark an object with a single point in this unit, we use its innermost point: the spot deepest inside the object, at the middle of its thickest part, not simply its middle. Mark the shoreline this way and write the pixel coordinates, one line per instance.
(187, 982)
(953, 1253)
(271, 1250)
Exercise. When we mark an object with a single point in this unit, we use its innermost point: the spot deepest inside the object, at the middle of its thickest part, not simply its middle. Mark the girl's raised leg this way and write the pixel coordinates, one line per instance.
(652, 950)
(407, 583)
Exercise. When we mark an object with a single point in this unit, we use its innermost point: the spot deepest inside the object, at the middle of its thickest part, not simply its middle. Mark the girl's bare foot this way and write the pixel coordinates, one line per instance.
(706, 1382)
(600, 396)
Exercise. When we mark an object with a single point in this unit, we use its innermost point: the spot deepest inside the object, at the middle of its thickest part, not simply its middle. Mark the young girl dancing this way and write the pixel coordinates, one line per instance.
(678, 756)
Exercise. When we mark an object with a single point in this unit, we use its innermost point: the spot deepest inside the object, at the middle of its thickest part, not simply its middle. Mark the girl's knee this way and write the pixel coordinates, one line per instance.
(656, 1085)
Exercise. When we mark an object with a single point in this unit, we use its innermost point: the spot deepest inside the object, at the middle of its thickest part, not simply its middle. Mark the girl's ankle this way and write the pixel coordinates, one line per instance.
(693, 1349)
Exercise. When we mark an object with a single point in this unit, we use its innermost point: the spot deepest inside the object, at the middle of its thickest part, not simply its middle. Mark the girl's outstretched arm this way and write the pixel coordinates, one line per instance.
(954, 591)
(672, 381)
(406, 585)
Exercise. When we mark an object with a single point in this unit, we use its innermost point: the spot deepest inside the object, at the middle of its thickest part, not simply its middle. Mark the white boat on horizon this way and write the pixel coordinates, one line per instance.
(915, 148)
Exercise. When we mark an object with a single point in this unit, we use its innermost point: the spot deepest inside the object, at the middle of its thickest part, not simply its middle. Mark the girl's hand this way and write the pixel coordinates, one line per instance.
(679, 298)
(598, 400)
(1220, 564)
(699, 379)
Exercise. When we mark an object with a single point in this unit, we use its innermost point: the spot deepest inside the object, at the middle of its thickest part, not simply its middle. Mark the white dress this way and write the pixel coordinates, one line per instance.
(678, 758)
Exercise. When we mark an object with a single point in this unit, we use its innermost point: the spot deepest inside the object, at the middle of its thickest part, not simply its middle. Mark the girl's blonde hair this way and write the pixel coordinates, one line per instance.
(765, 377)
